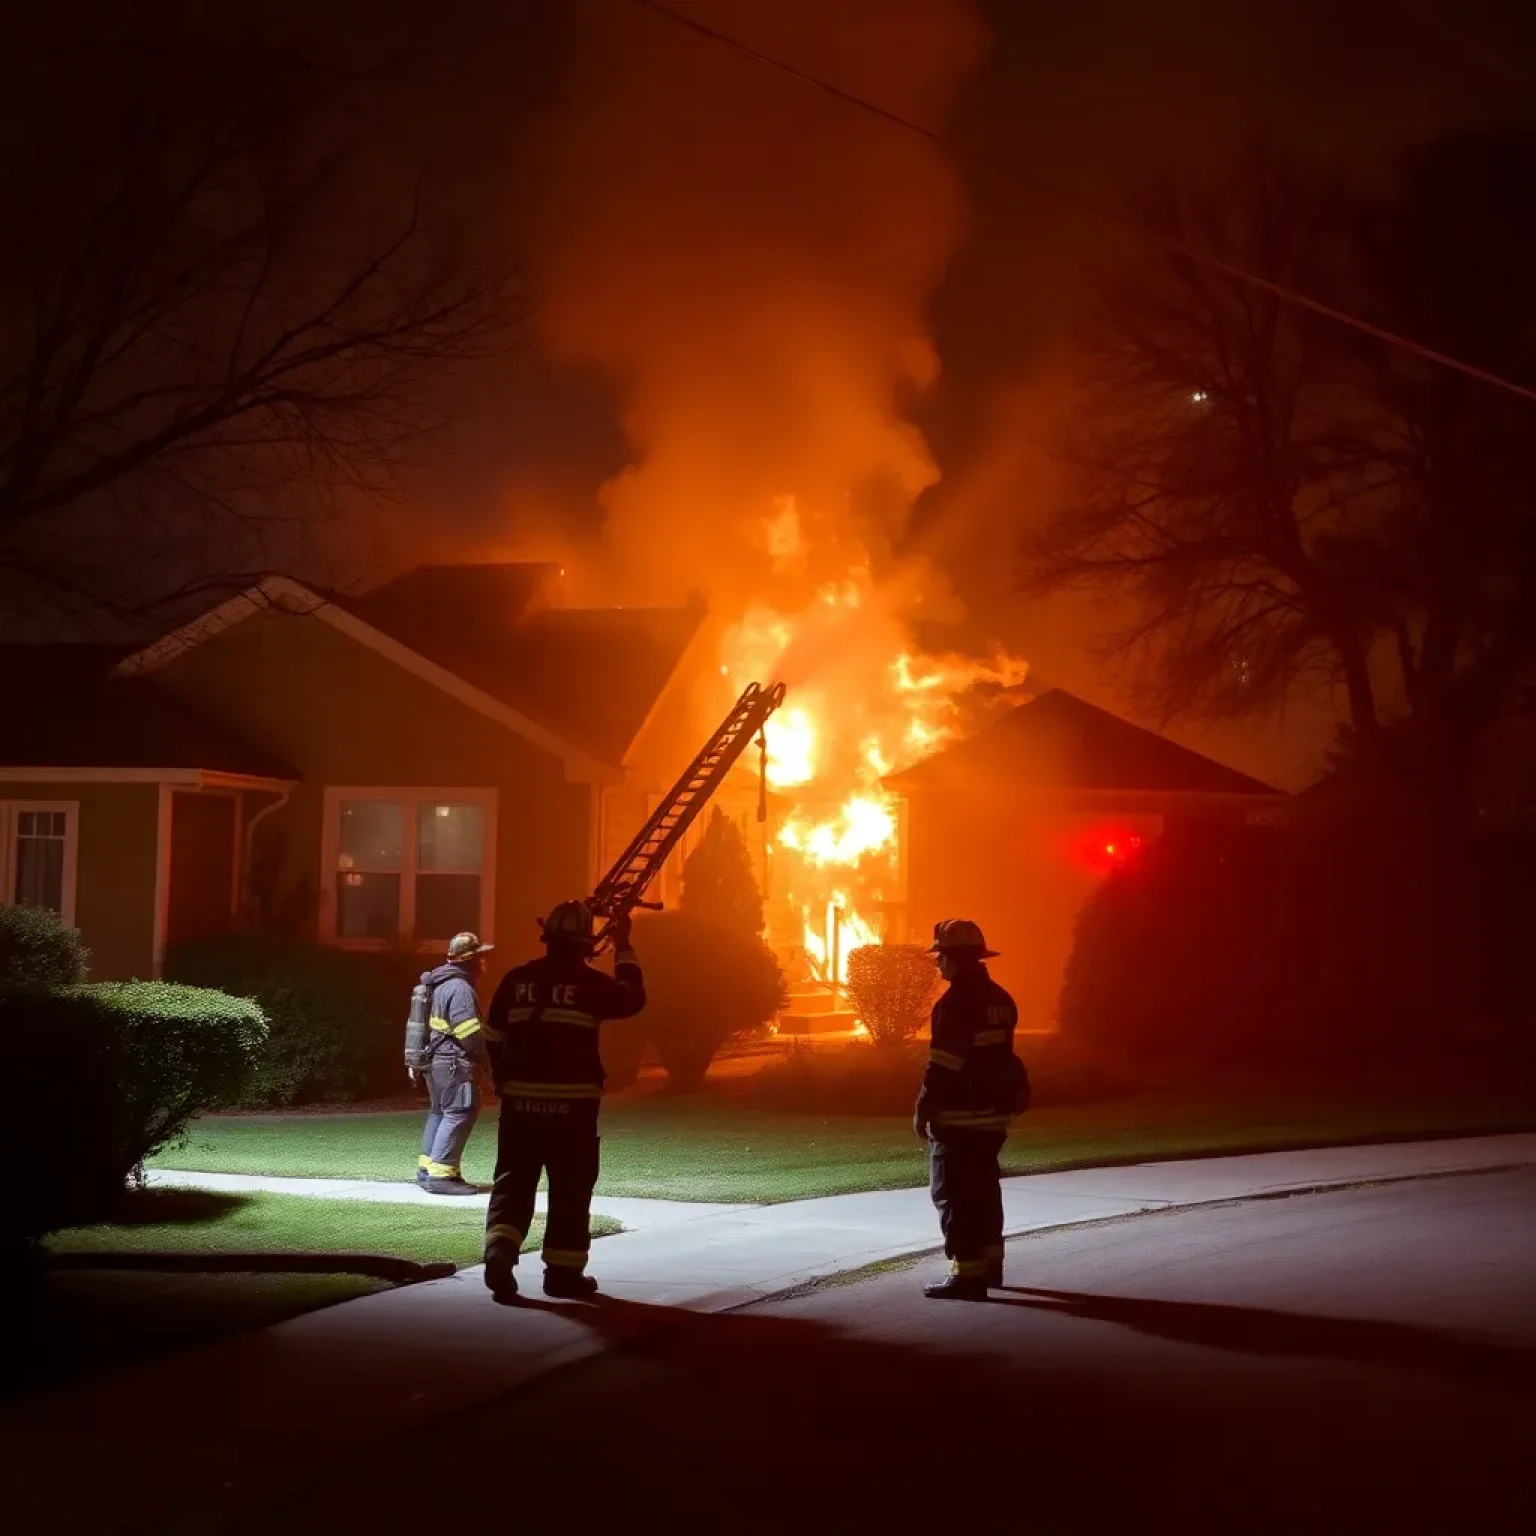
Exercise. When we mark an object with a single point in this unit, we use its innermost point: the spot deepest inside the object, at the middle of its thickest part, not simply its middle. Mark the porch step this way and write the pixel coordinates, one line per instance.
(826, 1022)
(813, 1000)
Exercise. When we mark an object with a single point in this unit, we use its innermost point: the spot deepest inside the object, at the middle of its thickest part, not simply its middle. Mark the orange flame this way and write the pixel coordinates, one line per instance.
(831, 933)
(863, 704)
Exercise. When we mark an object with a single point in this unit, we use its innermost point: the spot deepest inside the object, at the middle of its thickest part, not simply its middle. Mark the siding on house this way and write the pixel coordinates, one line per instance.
(344, 716)
(115, 884)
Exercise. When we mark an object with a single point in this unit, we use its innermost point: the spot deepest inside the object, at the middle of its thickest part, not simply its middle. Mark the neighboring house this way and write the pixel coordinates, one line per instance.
(1014, 827)
(379, 772)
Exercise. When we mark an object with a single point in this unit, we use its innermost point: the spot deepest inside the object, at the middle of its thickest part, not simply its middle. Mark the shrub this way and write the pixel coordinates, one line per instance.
(336, 1021)
(718, 884)
(184, 1050)
(893, 987)
(37, 950)
(142, 1059)
(623, 1044)
(704, 983)
(1234, 944)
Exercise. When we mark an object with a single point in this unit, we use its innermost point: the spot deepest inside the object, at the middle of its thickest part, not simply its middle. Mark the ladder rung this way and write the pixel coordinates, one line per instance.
(639, 864)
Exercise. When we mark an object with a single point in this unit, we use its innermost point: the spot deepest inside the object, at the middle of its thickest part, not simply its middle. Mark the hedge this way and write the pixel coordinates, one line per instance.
(704, 983)
(336, 1020)
(137, 1062)
(622, 1044)
(37, 950)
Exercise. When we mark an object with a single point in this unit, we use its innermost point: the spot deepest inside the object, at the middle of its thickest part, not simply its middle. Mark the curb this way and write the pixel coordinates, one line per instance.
(904, 1256)
(1279, 1148)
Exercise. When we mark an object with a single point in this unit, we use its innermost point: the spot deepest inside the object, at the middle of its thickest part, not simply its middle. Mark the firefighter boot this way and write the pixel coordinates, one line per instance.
(500, 1277)
(568, 1284)
(452, 1185)
(503, 1244)
(995, 1268)
(959, 1286)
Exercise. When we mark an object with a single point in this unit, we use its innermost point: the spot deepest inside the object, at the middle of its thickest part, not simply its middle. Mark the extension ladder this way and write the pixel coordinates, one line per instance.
(623, 887)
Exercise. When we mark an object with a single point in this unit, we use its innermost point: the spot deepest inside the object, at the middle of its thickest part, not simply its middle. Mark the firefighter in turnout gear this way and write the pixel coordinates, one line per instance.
(543, 1038)
(455, 1059)
(972, 1087)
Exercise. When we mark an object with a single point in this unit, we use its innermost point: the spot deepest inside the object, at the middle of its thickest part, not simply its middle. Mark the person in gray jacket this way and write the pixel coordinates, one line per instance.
(456, 1059)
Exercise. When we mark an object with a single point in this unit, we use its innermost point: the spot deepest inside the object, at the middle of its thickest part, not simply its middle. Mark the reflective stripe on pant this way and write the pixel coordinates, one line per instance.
(564, 1144)
(965, 1182)
(455, 1106)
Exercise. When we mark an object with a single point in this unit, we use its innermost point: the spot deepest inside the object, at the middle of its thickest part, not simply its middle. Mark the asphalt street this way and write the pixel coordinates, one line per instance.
(1363, 1360)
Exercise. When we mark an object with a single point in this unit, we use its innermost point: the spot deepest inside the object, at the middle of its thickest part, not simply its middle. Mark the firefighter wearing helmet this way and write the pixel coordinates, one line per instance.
(542, 1033)
(450, 1064)
(972, 1088)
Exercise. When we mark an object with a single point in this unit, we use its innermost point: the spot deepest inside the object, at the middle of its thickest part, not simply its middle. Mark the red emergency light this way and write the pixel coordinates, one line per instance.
(1103, 849)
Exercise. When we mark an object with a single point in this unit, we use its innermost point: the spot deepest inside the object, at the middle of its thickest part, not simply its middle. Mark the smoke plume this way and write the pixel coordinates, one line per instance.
(751, 260)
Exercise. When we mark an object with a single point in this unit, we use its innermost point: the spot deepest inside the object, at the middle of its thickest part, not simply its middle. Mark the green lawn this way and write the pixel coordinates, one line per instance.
(85, 1322)
(199, 1222)
(707, 1147)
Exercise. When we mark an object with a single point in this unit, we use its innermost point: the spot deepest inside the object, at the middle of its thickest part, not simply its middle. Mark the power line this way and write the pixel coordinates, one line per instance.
(1033, 182)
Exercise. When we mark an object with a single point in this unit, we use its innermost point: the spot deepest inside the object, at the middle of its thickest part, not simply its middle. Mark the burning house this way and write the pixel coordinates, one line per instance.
(758, 295)
(903, 787)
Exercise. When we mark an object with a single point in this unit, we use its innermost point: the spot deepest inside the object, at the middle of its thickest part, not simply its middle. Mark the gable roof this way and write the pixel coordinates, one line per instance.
(508, 589)
(285, 595)
(592, 674)
(64, 707)
(1060, 741)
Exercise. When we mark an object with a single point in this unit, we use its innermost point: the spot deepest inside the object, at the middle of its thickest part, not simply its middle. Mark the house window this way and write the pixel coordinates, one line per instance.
(412, 866)
(37, 862)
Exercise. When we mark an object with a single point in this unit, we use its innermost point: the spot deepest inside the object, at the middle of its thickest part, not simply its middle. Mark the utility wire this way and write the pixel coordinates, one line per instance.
(1030, 181)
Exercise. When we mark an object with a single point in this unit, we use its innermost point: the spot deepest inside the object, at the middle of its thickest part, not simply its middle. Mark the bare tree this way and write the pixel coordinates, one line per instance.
(1216, 457)
(1276, 499)
(219, 312)
(1448, 258)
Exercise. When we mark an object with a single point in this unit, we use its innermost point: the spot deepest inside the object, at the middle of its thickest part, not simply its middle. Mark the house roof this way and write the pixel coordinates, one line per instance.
(591, 674)
(62, 707)
(507, 589)
(1060, 741)
(580, 683)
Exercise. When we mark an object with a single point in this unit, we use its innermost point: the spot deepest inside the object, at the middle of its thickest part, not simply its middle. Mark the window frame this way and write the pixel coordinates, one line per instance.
(411, 798)
(10, 833)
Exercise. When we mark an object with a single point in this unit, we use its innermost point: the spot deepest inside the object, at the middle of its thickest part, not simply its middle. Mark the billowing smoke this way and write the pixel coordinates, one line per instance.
(751, 259)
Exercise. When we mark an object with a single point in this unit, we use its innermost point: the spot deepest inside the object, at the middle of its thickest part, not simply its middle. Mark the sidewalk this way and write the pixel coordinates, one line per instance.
(183, 1444)
(634, 1214)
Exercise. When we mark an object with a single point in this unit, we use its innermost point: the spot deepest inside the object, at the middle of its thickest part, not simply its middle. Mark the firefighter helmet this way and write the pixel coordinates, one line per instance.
(465, 946)
(960, 934)
(568, 923)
